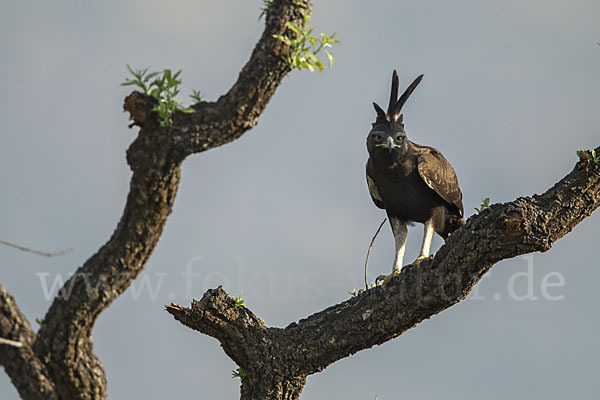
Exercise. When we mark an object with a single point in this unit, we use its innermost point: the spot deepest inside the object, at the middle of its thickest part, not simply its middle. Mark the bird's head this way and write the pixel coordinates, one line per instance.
(388, 131)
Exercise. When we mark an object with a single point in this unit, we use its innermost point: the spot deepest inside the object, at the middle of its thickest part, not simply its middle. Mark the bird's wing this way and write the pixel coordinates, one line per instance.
(373, 190)
(439, 175)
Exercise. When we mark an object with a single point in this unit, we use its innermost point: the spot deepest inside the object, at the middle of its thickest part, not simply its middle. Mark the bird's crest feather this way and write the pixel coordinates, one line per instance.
(395, 105)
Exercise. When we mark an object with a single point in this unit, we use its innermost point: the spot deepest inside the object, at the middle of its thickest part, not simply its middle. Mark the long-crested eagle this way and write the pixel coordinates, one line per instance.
(412, 182)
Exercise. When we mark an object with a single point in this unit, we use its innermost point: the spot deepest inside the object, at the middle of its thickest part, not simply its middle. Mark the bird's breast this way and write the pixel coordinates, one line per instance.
(404, 193)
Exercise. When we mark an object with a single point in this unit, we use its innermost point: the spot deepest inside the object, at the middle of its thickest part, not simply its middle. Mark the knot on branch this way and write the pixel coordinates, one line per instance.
(139, 106)
(514, 226)
(589, 159)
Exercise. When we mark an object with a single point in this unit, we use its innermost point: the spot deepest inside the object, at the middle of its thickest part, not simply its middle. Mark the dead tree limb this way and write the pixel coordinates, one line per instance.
(277, 361)
(34, 251)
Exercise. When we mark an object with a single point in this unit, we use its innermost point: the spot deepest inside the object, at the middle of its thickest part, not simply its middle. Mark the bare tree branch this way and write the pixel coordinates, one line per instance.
(34, 251)
(369, 253)
(26, 371)
(286, 356)
(11, 342)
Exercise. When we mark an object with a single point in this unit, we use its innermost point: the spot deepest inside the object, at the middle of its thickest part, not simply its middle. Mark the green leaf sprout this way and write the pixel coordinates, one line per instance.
(239, 302)
(238, 373)
(164, 87)
(304, 48)
(485, 204)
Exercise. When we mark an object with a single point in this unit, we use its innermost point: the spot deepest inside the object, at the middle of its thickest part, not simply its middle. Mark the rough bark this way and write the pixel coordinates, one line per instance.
(275, 359)
(59, 361)
(268, 356)
(64, 339)
(26, 371)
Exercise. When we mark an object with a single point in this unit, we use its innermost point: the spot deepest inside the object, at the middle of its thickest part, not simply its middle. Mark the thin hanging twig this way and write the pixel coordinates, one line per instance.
(369, 252)
(29, 250)
(11, 342)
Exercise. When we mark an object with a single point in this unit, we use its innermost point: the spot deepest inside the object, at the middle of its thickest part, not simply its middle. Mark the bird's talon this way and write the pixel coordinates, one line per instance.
(385, 279)
(420, 259)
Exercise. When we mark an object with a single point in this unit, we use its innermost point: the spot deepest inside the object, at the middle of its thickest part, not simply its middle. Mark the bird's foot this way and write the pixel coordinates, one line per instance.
(420, 259)
(385, 279)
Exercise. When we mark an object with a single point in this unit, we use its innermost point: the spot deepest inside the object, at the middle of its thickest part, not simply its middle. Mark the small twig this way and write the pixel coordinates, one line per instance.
(40, 253)
(11, 342)
(369, 253)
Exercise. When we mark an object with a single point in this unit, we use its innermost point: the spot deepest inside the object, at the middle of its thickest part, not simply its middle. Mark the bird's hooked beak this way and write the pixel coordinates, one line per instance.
(389, 143)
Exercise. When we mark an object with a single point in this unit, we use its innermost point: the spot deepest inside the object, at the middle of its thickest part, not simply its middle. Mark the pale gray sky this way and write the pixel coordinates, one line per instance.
(283, 216)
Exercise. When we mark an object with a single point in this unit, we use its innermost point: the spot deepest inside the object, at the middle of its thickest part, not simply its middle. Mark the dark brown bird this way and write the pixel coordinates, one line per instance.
(412, 182)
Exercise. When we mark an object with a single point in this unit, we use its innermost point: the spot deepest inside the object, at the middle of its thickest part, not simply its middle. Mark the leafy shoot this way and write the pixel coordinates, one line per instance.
(164, 87)
(355, 292)
(304, 47)
(238, 373)
(485, 204)
(196, 96)
(239, 302)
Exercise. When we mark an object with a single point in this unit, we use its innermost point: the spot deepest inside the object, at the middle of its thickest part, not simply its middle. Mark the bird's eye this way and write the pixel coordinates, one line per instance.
(399, 138)
(378, 138)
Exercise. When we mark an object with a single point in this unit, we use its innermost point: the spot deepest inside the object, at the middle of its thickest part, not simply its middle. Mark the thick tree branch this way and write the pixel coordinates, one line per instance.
(64, 338)
(244, 337)
(212, 315)
(503, 231)
(217, 123)
(26, 371)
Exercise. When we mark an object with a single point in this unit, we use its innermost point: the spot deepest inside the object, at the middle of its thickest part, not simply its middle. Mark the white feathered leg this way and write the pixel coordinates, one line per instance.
(427, 238)
(400, 234)
(400, 231)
